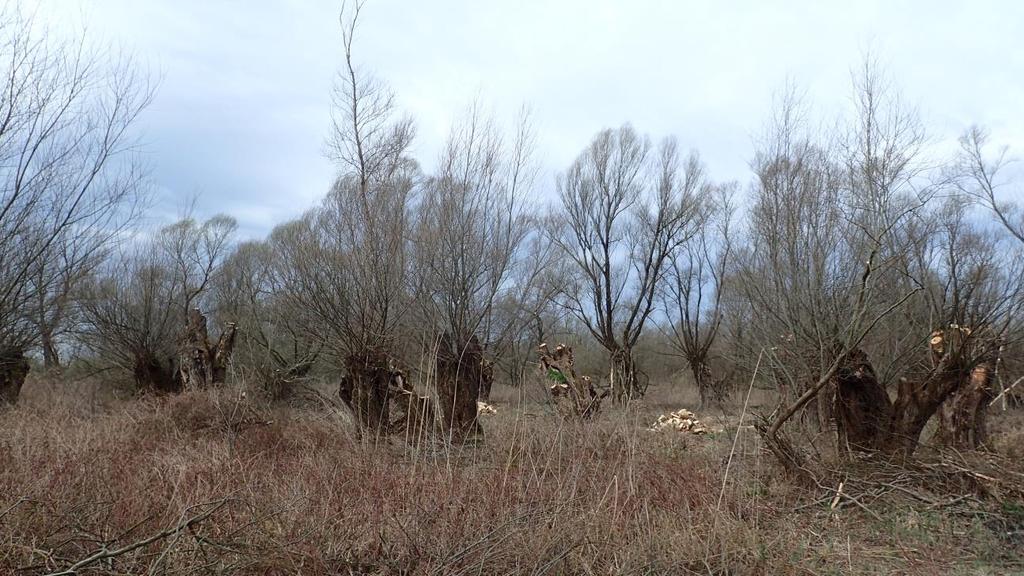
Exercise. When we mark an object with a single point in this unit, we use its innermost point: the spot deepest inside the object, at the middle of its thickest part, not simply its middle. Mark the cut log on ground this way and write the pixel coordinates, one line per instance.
(204, 363)
(680, 421)
(574, 396)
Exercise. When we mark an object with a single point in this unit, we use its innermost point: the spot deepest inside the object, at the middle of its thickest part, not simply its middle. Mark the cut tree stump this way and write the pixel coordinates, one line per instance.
(203, 363)
(459, 377)
(366, 390)
(862, 408)
(963, 417)
(152, 374)
(574, 396)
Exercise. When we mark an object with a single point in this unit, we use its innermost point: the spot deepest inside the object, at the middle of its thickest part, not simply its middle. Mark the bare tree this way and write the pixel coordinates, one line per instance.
(135, 311)
(471, 260)
(693, 295)
(874, 173)
(623, 212)
(347, 259)
(68, 179)
(279, 344)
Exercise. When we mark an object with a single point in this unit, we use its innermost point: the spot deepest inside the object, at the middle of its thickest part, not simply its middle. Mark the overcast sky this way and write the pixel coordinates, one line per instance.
(243, 106)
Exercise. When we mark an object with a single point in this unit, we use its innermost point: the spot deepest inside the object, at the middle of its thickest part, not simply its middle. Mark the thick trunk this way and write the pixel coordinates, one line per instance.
(705, 384)
(51, 357)
(459, 378)
(203, 363)
(623, 376)
(862, 408)
(366, 389)
(14, 369)
(963, 416)
(415, 417)
(152, 374)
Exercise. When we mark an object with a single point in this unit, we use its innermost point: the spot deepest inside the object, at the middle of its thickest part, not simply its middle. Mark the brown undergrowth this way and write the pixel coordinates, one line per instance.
(286, 491)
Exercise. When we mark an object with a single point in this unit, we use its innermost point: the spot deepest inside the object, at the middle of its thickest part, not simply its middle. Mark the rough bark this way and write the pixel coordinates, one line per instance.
(963, 417)
(415, 415)
(862, 407)
(918, 399)
(204, 363)
(14, 368)
(152, 374)
(713, 392)
(459, 376)
(366, 390)
(624, 377)
(575, 396)
(51, 357)
(487, 380)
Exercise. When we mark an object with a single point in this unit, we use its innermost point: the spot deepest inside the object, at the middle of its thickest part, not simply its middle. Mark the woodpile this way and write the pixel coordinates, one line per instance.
(680, 421)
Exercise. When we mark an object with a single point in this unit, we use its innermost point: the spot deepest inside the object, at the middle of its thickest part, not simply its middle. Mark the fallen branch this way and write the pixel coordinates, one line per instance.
(104, 554)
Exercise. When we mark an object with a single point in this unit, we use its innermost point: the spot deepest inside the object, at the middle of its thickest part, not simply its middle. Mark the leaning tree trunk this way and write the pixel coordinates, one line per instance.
(964, 415)
(459, 376)
(202, 362)
(14, 369)
(623, 375)
(366, 389)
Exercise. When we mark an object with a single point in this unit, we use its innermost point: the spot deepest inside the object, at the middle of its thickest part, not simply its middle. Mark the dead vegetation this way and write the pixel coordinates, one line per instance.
(215, 482)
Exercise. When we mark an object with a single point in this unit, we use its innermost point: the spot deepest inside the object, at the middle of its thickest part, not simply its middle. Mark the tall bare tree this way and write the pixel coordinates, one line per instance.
(68, 178)
(347, 259)
(472, 268)
(694, 291)
(624, 210)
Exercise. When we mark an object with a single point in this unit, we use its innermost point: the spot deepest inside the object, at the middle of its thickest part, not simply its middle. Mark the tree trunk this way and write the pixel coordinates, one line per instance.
(623, 376)
(963, 416)
(152, 374)
(416, 418)
(459, 378)
(702, 379)
(366, 390)
(486, 380)
(575, 396)
(14, 368)
(201, 363)
(862, 408)
(51, 357)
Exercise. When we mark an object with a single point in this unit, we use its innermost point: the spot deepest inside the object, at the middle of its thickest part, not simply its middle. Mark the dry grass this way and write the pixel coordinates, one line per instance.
(302, 495)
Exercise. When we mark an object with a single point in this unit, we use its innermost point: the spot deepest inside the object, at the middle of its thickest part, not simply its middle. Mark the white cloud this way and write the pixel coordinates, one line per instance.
(244, 103)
